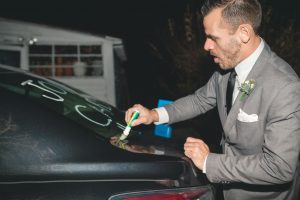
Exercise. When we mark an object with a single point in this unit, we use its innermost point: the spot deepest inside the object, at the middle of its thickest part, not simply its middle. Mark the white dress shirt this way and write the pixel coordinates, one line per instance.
(242, 71)
(244, 68)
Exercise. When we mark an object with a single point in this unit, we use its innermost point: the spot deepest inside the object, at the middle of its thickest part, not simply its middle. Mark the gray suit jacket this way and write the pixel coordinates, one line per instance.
(259, 158)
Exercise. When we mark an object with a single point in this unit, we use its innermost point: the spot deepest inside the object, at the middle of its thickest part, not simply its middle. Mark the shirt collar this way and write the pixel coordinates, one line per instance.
(244, 67)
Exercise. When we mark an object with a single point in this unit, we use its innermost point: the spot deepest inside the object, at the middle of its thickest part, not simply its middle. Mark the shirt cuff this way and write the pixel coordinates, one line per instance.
(204, 165)
(163, 116)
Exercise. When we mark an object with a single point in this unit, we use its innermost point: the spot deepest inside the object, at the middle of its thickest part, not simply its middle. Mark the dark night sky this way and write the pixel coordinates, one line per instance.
(114, 17)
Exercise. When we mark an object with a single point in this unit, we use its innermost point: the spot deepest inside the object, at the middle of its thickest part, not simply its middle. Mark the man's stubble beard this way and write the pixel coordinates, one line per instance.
(231, 55)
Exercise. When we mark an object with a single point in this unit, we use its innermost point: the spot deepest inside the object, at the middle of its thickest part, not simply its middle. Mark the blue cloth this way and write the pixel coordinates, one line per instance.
(163, 130)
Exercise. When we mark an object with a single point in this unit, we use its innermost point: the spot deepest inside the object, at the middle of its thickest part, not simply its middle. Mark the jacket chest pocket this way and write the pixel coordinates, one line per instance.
(247, 136)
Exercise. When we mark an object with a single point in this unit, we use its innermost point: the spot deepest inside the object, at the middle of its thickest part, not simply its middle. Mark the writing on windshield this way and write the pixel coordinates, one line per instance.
(72, 104)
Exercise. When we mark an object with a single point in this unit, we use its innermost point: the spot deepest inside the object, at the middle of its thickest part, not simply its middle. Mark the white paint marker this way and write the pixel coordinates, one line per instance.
(125, 133)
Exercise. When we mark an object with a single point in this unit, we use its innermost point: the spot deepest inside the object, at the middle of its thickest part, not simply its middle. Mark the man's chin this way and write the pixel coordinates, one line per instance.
(225, 67)
(222, 66)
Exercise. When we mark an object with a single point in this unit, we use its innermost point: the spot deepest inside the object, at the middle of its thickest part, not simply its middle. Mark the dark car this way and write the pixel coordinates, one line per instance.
(57, 142)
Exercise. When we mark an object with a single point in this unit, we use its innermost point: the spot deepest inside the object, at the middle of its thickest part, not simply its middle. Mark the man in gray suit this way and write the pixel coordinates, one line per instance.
(258, 99)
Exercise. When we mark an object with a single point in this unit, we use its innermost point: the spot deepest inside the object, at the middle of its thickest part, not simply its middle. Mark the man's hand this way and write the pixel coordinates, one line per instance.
(146, 116)
(196, 150)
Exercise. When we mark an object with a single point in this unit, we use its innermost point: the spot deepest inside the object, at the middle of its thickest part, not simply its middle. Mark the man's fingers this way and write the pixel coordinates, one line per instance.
(191, 139)
(193, 142)
(187, 153)
(129, 113)
(196, 150)
(194, 147)
(131, 110)
(138, 121)
(145, 116)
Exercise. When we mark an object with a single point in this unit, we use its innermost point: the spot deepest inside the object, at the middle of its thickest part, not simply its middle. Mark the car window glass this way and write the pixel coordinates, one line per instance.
(69, 102)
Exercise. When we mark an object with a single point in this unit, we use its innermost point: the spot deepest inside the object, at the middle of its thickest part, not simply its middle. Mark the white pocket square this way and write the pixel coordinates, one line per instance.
(244, 117)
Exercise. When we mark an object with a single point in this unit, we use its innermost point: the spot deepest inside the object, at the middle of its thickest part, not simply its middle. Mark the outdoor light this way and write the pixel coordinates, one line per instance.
(32, 41)
(21, 39)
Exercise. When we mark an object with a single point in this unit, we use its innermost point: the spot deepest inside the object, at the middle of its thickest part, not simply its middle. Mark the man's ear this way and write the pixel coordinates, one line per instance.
(245, 32)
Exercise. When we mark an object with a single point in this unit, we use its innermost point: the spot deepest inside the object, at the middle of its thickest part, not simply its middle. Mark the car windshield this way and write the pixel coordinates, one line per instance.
(99, 117)
(80, 107)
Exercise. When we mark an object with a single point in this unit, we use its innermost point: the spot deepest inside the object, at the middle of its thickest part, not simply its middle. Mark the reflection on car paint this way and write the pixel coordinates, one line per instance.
(121, 126)
(124, 144)
(7, 125)
(94, 102)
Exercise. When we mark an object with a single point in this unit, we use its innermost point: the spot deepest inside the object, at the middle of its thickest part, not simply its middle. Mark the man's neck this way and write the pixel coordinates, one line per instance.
(251, 46)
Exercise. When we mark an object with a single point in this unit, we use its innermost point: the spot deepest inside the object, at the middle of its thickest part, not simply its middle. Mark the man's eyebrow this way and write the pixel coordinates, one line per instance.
(211, 36)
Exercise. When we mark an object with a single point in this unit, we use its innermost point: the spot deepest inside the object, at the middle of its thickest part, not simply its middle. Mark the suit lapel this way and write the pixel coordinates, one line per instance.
(255, 73)
(232, 115)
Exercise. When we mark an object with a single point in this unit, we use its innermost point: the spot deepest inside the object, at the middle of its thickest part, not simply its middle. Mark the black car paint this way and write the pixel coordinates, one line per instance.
(47, 153)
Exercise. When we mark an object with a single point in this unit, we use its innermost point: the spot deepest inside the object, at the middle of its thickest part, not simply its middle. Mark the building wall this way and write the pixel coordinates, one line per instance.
(16, 33)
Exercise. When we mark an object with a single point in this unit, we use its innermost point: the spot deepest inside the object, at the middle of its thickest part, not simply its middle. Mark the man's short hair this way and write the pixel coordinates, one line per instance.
(236, 12)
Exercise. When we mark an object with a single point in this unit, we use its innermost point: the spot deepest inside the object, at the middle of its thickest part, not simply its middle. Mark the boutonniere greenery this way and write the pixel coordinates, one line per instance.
(246, 88)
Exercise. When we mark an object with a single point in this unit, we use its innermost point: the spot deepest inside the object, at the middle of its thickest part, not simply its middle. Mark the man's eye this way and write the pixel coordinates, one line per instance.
(213, 39)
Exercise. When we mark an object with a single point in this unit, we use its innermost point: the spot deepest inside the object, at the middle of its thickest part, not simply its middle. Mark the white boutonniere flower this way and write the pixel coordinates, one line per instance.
(246, 88)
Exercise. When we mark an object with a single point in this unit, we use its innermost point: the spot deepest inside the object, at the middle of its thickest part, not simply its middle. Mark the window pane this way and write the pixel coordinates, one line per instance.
(64, 65)
(62, 60)
(93, 71)
(64, 71)
(94, 65)
(10, 57)
(92, 60)
(40, 49)
(90, 49)
(65, 49)
(38, 60)
(42, 71)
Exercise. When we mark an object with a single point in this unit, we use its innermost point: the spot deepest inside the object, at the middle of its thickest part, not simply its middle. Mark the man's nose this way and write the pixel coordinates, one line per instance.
(208, 45)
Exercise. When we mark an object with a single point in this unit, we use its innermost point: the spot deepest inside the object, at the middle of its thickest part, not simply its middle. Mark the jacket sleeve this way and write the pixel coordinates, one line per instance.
(192, 105)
